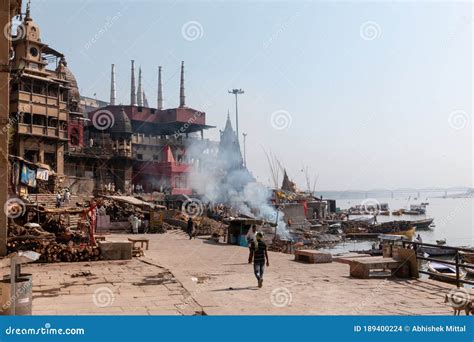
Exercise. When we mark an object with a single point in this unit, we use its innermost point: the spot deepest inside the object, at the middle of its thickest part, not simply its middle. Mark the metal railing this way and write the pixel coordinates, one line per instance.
(456, 263)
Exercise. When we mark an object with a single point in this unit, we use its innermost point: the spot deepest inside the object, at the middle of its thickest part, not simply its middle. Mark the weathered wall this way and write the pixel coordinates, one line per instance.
(295, 212)
(78, 185)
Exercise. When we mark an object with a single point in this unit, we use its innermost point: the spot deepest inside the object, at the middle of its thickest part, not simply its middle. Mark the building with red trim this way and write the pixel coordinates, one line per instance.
(129, 146)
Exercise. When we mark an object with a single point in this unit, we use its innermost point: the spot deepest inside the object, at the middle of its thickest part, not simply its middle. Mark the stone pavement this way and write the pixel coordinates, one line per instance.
(222, 282)
(182, 277)
(132, 287)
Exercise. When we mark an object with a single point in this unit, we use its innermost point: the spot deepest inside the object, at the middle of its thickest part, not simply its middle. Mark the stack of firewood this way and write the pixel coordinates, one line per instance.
(48, 245)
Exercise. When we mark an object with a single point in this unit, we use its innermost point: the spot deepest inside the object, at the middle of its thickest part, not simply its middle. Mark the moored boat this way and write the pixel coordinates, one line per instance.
(469, 270)
(437, 251)
(444, 272)
(422, 224)
(364, 219)
(420, 209)
(468, 257)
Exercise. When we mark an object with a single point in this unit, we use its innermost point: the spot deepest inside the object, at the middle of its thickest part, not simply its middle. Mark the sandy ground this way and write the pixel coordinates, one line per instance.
(183, 277)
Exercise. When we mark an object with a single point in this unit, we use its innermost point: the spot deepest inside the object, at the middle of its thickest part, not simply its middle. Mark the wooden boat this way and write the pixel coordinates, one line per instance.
(364, 219)
(411, 212)
(384, 212)
(437, 251)
(420, 208)
(444, 272)
(397, 212)
(469, 271)
(467, 257)
(364, 234)
(422, 224)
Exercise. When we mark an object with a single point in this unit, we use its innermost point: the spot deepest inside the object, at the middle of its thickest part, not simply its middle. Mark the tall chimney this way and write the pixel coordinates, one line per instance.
(182, 101)
(133, 95)
(145, 100)
(140, 89)
(160, 90)
(112, 86)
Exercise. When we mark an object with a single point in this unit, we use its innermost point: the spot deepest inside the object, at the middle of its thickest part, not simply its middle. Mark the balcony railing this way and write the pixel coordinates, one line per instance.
(42, 131)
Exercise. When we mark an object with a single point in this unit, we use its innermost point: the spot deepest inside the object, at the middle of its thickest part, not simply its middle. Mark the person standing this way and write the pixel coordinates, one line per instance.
(190, 227)
(260, 255)
(67, 196)
(58, 200)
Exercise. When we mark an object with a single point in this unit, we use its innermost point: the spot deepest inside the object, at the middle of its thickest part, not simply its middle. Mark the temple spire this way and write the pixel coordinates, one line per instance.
(28, 5)
(182, 102)
(112, 86)
(133, 95)
(160, 90)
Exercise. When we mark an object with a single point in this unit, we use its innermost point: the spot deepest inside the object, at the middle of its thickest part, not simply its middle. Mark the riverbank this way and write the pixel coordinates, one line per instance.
(216, 278)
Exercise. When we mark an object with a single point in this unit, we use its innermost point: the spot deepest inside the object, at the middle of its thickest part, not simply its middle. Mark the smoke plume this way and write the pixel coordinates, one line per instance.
(222, 179)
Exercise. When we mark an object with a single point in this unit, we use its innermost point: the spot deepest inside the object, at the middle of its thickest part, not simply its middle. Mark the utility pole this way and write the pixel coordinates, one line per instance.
(236, 92)
(245, 154)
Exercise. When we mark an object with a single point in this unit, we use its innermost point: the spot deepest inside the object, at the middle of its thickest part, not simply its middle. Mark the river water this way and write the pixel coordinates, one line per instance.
(453, 219)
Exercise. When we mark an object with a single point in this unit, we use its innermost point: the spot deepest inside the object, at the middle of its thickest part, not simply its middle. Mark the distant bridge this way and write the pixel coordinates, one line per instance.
(392, 193)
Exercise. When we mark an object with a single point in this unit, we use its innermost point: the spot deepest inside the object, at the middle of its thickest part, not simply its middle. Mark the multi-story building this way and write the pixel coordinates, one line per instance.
(130, 145)
(108, 147)
(43, 100)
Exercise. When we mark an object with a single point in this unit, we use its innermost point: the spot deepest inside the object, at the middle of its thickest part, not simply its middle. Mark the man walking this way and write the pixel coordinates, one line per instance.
(260, 255)
(190, 227)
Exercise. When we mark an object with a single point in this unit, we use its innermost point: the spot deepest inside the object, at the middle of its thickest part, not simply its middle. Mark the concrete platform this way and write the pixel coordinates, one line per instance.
(362, 267)
(312, 256)
(115, 250)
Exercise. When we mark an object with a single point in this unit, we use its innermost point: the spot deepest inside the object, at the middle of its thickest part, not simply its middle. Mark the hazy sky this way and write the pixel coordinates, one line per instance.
(365, 94)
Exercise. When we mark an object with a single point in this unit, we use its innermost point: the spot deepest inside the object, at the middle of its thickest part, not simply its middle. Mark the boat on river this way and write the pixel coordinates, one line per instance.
(467, 257)
(469, 270)
(437, 251)
(364, 219)
(422, 224)
(444, 272)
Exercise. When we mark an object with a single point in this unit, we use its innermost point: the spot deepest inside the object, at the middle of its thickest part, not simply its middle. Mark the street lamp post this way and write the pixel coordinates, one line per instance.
(245, 154)
(236, 92)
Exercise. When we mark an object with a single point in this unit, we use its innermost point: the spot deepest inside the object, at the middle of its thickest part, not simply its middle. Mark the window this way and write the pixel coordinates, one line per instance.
(34, 52)
(74, 138)
(140, 156)
(53, 91)
(156, 157)
(38, 88)
(180, 182)
(38, 120)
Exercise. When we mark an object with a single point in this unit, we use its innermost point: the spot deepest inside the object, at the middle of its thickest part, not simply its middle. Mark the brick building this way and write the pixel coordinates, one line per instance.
(129, 145)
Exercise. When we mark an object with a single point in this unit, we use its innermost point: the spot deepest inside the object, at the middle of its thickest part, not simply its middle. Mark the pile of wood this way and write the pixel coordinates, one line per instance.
(34, 238)
(208, 226)
(279, 245)
(119, 210)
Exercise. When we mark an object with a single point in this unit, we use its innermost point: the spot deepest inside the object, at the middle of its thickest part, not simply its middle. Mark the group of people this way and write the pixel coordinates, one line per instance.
(135, 222)
(63, 198)
(257, 253)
